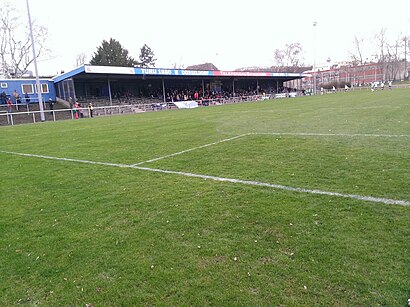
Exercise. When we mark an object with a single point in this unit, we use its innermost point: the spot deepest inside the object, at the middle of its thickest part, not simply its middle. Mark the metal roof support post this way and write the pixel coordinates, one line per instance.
(163, 90)
(109, 91)
(203, 89)
(85, 89)
(233, 87)
(65, 91)
(257, 87)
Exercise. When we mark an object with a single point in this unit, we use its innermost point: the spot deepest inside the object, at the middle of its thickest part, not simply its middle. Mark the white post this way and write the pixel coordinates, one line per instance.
(314, 57)
(109, 91)
(406, 76)
(40, 97)
(163, 90)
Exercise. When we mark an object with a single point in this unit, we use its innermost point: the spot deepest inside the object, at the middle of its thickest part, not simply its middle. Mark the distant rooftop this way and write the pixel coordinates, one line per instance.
(205, 66)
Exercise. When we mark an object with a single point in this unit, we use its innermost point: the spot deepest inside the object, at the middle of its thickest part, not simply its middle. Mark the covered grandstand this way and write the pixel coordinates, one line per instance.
(120, 90)
(133, 84)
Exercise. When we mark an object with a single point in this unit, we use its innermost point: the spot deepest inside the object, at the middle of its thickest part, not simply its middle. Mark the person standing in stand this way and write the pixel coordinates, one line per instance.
(75, 110)
(27, 98)
(51, 105)
(90, 109)
(9, 105)
(80, 110)
(17, 99)
(16, 96)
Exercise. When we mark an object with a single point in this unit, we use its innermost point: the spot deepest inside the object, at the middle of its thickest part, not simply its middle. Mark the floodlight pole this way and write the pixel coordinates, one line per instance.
(39, 95)
(406, 76)
(314, 57)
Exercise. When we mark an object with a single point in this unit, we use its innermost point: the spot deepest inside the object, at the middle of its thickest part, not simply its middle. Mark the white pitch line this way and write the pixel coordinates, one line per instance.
(330, 134)
(65, 159)
(191, 149)
(386, 201)
(273, 133)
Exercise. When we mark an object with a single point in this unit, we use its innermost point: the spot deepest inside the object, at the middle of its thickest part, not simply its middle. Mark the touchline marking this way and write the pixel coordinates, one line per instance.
(65, 159)
(191, 149)
(386, 201)
(330, 134)
(283, 187)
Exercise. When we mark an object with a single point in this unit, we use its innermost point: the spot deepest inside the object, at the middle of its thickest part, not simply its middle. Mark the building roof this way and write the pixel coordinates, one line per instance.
(205, 66)
(138, 71)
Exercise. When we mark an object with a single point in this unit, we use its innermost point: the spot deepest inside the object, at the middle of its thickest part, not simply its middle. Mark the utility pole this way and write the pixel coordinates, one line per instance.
(314, 57)
(406, 73)
(40, 97)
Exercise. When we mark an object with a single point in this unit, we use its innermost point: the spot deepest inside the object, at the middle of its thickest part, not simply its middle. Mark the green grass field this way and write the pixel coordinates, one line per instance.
(80, 225)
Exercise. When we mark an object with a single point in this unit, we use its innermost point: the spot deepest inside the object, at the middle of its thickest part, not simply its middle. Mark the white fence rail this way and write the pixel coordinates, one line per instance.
(12, 118)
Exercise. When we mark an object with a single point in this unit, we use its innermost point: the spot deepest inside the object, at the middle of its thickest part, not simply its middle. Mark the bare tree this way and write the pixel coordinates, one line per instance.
(381, 40)
(80, 59)
(178, 66)
(357, 54)
(391, 55)
(279, 58)
(15, 44)
(393, 60)
(290, 56)
(406, 46)
(384, 53)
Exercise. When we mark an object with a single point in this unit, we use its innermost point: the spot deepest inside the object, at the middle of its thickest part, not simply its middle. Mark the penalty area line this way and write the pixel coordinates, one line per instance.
(191, 149)
(272, 134)
(385, 201)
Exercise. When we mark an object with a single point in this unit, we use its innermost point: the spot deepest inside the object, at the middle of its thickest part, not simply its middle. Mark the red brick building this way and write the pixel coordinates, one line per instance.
(341, 75)
(356, 76)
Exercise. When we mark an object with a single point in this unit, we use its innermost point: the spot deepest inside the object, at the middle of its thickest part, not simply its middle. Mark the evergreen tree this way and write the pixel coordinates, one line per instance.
(147, 57)
(112, 54)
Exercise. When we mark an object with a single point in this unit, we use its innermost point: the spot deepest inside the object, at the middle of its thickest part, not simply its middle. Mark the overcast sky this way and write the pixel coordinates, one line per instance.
(230, 34)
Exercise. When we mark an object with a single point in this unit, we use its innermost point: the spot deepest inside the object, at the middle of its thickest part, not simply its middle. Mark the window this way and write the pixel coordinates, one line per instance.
(44, 88)
(27, 88)
(3, 85)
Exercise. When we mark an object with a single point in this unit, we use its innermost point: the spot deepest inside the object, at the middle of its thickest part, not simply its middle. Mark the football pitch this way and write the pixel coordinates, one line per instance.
(286, 202)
